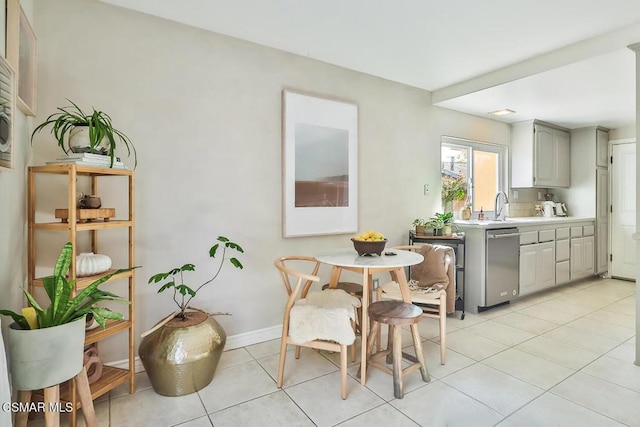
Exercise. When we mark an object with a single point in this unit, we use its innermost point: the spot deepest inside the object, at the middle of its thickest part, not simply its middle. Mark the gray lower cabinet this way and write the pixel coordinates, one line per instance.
(563, 267)
(537, 267)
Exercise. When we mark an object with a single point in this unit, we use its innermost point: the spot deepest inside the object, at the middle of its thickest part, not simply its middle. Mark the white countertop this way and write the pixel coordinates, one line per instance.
(523, 221)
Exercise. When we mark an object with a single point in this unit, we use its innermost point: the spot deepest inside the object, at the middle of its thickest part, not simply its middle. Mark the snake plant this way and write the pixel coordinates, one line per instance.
(100, 126)
(64, 307)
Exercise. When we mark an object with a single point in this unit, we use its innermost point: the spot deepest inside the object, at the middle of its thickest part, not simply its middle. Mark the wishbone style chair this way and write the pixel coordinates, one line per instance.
(433, 304)
(327, 315)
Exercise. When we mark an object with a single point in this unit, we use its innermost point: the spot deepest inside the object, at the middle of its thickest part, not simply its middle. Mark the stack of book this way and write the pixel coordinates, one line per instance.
(90, 159)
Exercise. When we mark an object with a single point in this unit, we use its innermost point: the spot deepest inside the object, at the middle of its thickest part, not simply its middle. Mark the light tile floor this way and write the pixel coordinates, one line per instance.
(560, 358)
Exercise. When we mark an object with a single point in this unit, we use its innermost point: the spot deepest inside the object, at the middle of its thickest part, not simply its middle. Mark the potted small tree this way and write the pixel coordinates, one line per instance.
(453, 190)
(46, 345)
(193, 330)
(82, 132)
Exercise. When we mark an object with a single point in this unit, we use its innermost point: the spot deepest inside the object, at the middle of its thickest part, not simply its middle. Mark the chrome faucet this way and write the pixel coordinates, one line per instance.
(495, 207)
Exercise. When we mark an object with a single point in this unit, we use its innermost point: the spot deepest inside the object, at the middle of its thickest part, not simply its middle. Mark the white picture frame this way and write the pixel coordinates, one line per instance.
(319, 165)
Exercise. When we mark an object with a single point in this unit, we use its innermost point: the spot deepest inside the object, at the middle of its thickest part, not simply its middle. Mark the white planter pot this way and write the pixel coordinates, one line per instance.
(79, 141)
(41, 358)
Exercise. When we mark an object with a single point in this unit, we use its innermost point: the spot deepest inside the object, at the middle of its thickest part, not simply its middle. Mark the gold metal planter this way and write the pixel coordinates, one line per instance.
(181, 357)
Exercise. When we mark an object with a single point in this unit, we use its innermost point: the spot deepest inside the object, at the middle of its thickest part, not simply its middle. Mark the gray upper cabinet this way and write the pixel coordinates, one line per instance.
(540, 155)
(602, 147)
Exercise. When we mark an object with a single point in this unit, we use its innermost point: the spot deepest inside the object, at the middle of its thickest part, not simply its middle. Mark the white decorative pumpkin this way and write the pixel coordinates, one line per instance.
(88, 264)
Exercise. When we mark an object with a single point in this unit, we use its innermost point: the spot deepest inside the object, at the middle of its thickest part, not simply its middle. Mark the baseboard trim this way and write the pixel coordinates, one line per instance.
(233, 342)
(253, 337)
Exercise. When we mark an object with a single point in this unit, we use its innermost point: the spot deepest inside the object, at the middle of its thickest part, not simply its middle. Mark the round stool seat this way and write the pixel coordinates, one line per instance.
(354, 289)
(392, 312)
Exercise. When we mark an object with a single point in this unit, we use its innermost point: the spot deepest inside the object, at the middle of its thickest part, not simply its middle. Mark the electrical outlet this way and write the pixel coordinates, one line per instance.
(426, 189)
(376, 282)
(516, 194)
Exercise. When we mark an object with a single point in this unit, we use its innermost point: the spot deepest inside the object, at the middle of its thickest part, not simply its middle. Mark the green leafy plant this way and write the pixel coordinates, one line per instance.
(420, 222)
(64, 308)
(183, 293)
(100, 126)
(453, 188)
(445, 218)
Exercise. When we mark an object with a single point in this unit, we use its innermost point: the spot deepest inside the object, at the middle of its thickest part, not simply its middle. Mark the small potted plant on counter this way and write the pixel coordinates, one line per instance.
(419, 224)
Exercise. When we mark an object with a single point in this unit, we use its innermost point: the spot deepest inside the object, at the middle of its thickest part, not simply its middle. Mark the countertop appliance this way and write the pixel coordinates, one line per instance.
(548, 207)
(561, 209)
(502, 265)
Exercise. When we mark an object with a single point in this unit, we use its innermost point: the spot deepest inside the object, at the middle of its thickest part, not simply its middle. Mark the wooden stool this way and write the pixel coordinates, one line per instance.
(396, 314)
(52, 396)
(351, 288)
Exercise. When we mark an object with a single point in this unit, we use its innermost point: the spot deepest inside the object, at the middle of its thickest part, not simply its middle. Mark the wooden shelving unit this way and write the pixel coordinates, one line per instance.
(111, 377)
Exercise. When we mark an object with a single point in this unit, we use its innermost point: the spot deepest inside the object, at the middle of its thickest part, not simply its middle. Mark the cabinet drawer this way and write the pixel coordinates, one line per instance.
(576, 231)
(562, 233)
(546, 235)
(528, 237)
(588, 230)
(562, 250)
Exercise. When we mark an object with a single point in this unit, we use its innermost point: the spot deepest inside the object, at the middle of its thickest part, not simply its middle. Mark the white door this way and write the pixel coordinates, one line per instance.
(623, 215)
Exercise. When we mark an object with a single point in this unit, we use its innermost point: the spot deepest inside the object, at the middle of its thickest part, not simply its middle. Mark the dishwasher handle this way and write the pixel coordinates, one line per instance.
(502, 236)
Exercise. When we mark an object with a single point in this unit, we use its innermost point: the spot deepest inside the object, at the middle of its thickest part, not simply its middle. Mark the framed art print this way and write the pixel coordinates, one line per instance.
(319, 165)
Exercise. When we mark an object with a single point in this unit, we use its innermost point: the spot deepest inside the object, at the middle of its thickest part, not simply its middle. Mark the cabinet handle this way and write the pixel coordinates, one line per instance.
(503, 236)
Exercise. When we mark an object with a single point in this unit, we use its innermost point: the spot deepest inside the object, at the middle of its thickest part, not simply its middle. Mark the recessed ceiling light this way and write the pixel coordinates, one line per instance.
(503, 112)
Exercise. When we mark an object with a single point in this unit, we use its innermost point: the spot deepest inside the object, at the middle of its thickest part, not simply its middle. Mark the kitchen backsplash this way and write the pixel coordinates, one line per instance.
(520, 209)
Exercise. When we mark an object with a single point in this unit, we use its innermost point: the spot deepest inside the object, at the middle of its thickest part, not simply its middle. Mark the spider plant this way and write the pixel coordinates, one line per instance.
(64, 308)
(100, 126)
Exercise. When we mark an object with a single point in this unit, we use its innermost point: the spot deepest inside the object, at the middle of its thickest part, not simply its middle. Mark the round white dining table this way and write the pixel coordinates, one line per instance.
(348, 259)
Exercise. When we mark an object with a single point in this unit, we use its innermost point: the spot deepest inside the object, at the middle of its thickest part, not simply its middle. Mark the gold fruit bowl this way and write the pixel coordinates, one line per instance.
(364, 247)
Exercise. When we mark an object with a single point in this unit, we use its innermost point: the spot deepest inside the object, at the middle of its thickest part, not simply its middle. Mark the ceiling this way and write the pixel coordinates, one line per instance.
(562, 61)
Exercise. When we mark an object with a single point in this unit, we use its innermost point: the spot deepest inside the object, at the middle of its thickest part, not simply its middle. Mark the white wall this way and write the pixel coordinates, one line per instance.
(204, 112)
(13, 231)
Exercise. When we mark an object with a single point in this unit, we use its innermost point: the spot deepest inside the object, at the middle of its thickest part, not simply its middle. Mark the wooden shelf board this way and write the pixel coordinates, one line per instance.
(64, 169)
(83, 282)
(83, 226)
(111, 328)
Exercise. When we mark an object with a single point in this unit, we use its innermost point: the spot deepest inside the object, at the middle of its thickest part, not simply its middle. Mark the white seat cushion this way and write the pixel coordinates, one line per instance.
(325, 316)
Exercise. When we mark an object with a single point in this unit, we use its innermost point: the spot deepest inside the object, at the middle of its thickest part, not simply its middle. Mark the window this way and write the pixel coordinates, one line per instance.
(471, 172)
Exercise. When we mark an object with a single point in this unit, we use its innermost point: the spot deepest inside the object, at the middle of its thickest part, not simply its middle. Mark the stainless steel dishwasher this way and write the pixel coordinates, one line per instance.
(503, 245)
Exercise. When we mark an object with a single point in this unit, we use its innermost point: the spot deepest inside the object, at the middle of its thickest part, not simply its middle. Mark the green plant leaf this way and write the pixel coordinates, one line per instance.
(213, 250)
(236, 263)
(158, 277)
(18, 318)
(184, 290)
(235, 246)
(166, 286)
